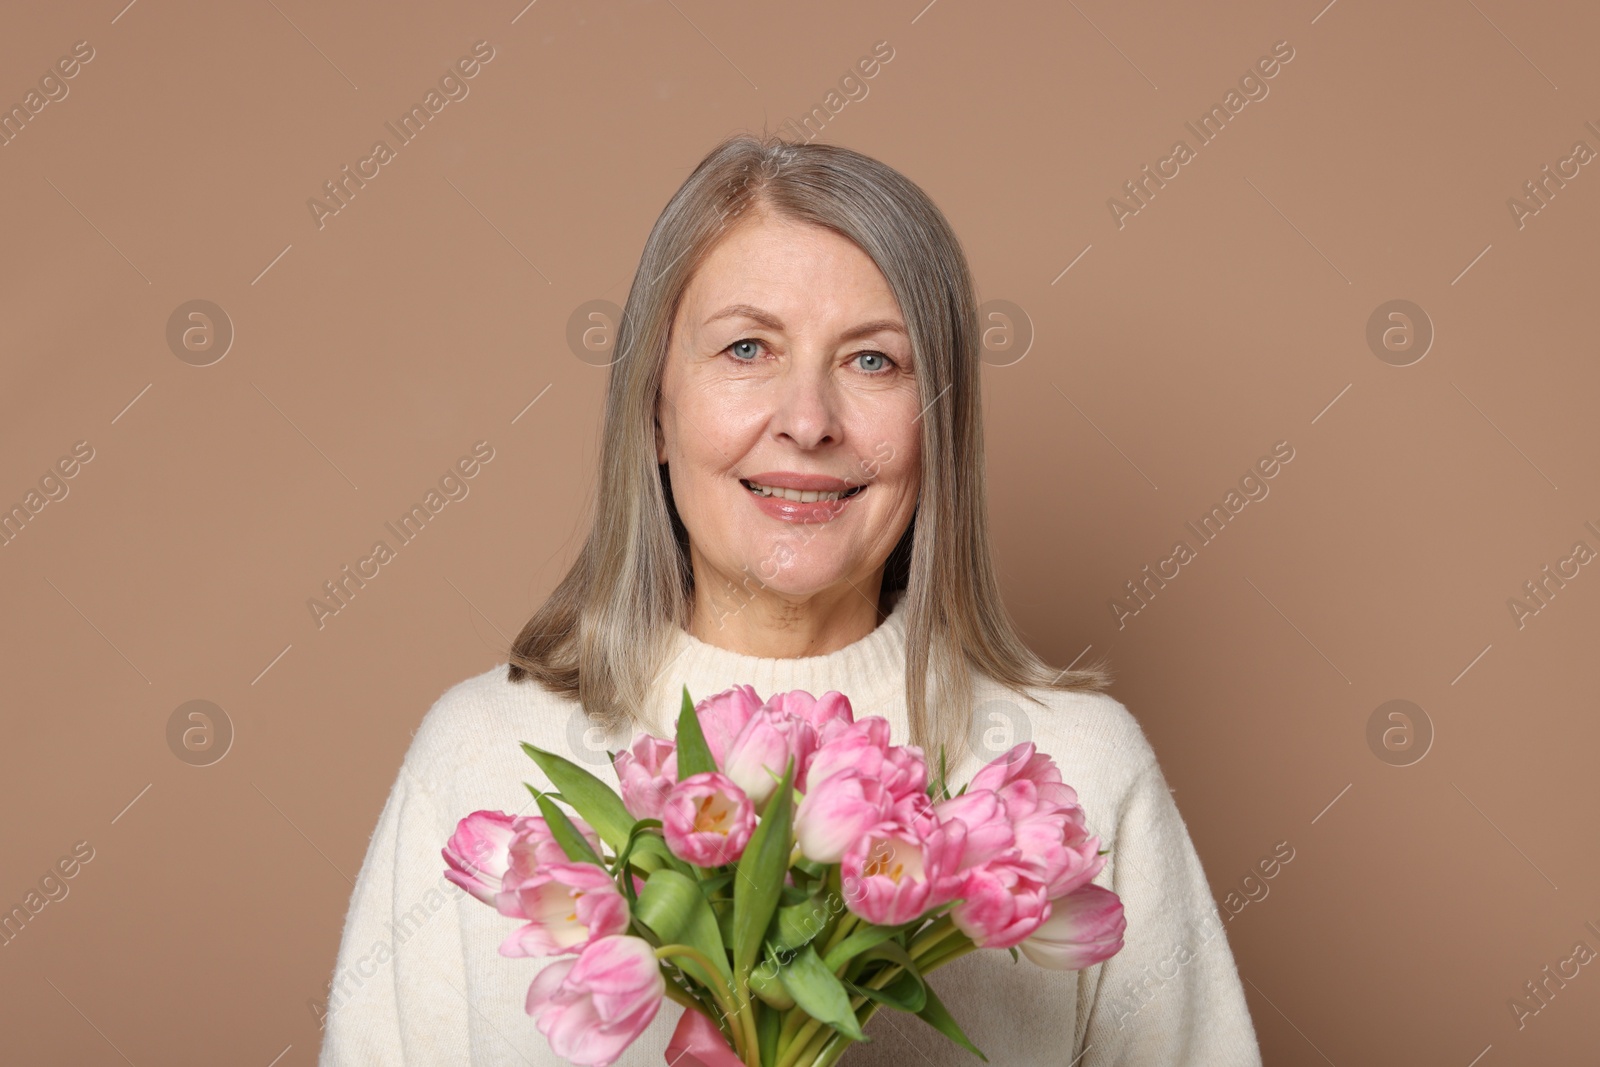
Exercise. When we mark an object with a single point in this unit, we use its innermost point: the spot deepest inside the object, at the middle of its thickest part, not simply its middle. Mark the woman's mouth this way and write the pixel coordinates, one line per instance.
(800, 496)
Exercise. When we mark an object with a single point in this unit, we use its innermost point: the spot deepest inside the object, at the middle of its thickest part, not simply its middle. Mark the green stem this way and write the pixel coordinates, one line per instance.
(848, 921)
(814, 1047)
(726, 998)
(831, 1052)
(677, 993)
(752, 1040)
(793, 1020)
(938, 931)
(949, 952)
(792, 1056)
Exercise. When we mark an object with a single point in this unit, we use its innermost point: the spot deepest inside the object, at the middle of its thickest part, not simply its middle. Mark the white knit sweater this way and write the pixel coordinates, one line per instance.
(419, 979)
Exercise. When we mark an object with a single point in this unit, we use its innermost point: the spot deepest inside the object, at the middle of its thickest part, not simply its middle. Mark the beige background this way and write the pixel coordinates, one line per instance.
(1229, 314)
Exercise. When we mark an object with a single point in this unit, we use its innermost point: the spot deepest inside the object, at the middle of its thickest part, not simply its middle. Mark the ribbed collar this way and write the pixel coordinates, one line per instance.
(869, 671)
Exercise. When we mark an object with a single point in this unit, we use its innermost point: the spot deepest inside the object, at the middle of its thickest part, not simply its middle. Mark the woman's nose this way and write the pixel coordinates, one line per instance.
(806, 406)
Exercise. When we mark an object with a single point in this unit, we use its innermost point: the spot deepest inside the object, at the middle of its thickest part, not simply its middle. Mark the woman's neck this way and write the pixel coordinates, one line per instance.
(770, 625)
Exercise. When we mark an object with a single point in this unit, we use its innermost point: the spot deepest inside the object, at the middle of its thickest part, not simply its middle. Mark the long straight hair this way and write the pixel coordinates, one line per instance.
(608, 627)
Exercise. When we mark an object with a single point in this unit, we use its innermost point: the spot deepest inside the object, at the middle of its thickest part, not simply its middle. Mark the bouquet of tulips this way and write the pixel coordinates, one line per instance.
(781, 871)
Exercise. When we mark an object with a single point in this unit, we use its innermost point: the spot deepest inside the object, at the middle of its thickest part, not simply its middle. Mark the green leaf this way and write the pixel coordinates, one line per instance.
(694, 755)
(905, 992)
(812, 867)
(674, 908)
(938, 788)
(766, 982)
(819, 994)
(798, 924)
(761, 869)
(625, 861)
(724, 922)
(710, 885)
(934, 1014)
(573, 843)
(790, 895)
(650, 854)
(859, 941)
(591, 798)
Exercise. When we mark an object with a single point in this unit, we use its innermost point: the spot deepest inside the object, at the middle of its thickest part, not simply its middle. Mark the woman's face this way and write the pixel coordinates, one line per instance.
(789, 371)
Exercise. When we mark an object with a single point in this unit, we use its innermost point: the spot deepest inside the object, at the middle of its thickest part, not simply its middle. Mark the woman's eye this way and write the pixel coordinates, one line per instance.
(745, 350)
(882, 361)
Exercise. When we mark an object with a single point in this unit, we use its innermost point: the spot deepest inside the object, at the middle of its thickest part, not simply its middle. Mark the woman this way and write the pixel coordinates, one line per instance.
(791, 497)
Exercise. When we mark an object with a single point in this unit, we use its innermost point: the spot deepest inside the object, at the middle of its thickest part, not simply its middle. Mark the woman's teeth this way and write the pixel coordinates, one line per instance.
(800, 496)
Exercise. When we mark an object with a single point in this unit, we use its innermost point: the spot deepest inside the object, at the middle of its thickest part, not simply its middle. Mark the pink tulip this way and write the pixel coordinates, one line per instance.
(568, 906)
(757, 757)
(836, 812)
(1024, 774)
(897, 873)
(989, 832)
(647, 774)
(858, 747)
(723, 716)
(593, 1007)
(827, 714)
(1058, 849)
(864, 747)
(1085, 927)
(1052, 837)
(533, 849)
(1000, 906)
(708, 819)
(478, 853)
(905, 771)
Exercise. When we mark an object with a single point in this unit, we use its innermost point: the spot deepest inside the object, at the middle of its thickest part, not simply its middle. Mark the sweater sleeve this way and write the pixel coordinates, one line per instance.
(1172, 995)
(398, 985)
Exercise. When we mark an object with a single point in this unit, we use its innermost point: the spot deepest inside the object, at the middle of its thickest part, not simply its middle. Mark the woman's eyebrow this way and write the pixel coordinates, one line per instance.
(772, 322)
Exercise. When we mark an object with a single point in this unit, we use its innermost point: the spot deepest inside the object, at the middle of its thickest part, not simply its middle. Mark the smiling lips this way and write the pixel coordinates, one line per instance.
(801, 497)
